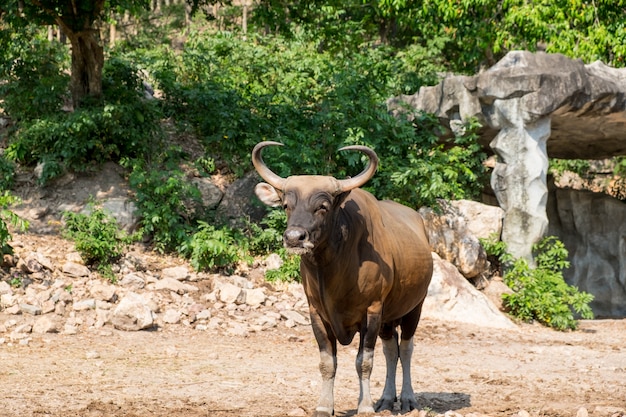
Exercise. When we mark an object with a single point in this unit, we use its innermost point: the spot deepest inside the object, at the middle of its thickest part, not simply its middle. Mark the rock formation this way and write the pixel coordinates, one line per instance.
(532, 106)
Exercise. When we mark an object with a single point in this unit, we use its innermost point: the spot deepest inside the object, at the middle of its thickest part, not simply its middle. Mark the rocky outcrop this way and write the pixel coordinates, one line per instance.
(593, 228)
(532, 106)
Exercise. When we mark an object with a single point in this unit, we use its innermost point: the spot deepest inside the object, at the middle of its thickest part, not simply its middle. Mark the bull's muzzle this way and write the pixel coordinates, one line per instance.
(296, 240)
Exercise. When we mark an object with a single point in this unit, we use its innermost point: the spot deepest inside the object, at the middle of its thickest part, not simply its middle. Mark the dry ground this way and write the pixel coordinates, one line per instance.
(178, 371)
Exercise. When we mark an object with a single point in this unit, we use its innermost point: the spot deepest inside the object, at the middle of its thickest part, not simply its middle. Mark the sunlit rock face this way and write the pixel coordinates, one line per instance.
(535, 106)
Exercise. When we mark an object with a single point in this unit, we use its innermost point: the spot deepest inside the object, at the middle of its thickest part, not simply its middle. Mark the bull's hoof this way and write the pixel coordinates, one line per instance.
(408, 404)
(385, 404)
(323, 413)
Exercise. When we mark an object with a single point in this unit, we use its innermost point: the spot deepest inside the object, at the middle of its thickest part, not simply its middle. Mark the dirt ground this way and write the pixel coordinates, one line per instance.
(179, 371)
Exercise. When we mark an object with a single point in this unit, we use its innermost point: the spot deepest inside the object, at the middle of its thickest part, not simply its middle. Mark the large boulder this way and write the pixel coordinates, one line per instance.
(452, 298)
(453, 232)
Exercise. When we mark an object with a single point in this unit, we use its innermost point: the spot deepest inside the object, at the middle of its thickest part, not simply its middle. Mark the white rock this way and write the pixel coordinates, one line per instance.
(46, 324)
(76, 270)
(230, 293)
(255, 296)
(174, 285)
(452, 298)
(103, 292)
(273, 261)
(171, 316)
(132, 313)
(82, 305)
(179, 273)
(132, 281)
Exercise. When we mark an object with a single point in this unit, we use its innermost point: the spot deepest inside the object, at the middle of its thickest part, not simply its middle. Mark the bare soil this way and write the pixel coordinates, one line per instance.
(179, 371)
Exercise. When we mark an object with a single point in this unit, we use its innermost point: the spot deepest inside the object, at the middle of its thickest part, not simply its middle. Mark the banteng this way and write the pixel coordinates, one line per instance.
(365, 267)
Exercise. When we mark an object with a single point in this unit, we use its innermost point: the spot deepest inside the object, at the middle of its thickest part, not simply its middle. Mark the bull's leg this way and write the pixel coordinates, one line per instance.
(408, 325)
(408, 401)
(365, 357)
(389, 339)
(328, 365)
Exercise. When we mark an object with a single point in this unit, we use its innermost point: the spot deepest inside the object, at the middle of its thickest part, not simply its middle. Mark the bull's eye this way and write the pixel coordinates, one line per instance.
(322, 209)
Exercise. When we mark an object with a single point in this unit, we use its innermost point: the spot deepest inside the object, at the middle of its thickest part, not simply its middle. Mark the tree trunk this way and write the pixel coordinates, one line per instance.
(87, 63)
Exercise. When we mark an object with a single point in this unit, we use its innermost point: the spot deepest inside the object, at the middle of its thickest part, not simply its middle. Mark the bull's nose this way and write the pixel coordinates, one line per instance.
(295, 236)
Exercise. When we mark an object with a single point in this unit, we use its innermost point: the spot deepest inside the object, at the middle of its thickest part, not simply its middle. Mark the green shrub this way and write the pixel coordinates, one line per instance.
(35, 74)
(210, 247)
(7, 173)
(267, 236)
(166, 201)
(289, 271)
(97, 238)
(541, 293)
(123, 125)
(6, 215)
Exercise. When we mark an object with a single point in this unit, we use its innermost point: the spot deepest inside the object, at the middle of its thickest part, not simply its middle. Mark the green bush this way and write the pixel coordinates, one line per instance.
(288, 271)
(97, 238)
(167, 203)
(35, 74)
(541, 293)
(6, 215)
(123, 125)
(211, 247)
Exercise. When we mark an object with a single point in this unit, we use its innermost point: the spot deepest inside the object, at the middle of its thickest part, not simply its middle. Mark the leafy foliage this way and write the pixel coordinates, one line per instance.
(97, 238)
(212, 247)
(6, 215)
(166, 201)
(541, 293)
(124, 125)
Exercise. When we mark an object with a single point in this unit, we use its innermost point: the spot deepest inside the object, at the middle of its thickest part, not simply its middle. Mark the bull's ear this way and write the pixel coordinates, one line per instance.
(340, 198)
(268, 194)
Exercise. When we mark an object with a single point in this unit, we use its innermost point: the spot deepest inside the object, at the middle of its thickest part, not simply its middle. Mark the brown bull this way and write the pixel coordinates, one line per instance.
(365, 267)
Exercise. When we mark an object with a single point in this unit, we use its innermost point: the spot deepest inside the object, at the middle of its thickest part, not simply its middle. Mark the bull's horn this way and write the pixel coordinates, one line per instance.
(272, 179)
(366, 174)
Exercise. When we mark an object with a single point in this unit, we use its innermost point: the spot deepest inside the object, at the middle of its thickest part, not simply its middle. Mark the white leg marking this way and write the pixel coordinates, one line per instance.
(407, 396)
(390, 349)
(364, 365)
(328, 368)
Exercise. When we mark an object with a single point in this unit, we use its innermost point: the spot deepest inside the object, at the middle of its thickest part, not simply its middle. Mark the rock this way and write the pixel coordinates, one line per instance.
(532, 106)
(451, 239)
(273, 261)
(103, 292)
(132, 281)
(174, 285)
(132, 313)
(75, 269)
(255, 296)
(592, 226)
(124, 211)
(179, 273)
(482, 220)
(5, 288)
(171, 316)
(210, 193)
(30, 309)
(82, 305)
(238, 202)
(230, 293)
(451, 298)
(46, 324)
(295, 317)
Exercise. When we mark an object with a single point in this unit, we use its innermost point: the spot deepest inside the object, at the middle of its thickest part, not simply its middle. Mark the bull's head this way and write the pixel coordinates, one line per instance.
(309, 200)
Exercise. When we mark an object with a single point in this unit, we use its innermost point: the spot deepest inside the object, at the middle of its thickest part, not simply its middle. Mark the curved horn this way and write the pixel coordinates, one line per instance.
(272, 179)
(366, 174)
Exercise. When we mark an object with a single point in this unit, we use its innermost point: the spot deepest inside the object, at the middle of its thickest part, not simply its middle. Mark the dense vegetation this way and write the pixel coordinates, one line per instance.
(312, 75)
